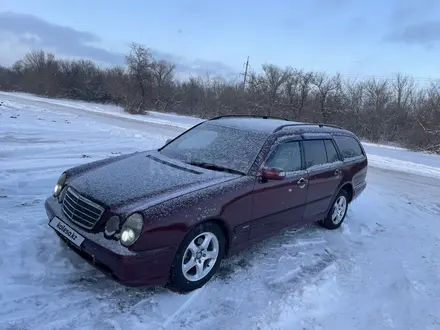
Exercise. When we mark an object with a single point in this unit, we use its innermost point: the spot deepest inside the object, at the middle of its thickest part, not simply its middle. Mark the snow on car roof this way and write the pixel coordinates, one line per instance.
(258, 124)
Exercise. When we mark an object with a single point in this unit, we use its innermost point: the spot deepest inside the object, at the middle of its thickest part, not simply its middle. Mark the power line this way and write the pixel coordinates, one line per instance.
(386, 76)
(394, 76)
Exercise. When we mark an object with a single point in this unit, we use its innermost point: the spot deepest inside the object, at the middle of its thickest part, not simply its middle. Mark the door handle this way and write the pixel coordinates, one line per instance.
(302, 182)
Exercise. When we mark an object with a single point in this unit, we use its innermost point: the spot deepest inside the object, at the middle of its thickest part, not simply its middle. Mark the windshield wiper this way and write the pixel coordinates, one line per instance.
(215, 167)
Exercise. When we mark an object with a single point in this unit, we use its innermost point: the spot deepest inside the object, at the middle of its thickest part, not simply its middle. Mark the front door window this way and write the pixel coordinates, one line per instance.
(287, 157)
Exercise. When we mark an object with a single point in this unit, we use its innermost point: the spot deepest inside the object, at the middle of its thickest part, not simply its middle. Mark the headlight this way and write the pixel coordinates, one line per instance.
(132, 228)
(60, 184)
(112, 226)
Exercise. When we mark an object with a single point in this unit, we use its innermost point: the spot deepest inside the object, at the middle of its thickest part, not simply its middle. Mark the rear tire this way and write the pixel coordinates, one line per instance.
(337, 212)
(197, 258)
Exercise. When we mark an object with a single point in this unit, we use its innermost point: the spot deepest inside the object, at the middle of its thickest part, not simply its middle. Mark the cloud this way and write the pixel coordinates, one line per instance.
(414, 23)
(411, 11)
(19, 33)
(426, 34)
(197, 67)
(61, 39)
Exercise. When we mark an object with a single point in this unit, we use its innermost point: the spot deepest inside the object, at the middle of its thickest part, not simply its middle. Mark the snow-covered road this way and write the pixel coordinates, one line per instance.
(381, 270)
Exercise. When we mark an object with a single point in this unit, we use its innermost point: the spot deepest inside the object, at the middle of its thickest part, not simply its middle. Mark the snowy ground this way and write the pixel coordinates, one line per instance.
(381, 270)
(113, 111)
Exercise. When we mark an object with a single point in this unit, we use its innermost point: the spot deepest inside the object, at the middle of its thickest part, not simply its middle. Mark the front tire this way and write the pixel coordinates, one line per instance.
(197, 258)
(337, 212)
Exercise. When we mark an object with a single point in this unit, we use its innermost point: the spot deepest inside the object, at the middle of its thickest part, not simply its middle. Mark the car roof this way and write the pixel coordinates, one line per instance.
(270, 125)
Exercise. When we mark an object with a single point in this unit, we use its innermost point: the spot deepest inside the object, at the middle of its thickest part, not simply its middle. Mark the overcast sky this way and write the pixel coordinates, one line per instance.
(354, 37)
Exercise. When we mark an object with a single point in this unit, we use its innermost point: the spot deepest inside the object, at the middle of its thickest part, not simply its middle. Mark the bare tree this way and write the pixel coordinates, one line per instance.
(396, 110)
(275, 78)
(139, 64)
(325, 85)
(163, 75)
(351, 114)
(427, 135)
(378, 97)
(403, 89)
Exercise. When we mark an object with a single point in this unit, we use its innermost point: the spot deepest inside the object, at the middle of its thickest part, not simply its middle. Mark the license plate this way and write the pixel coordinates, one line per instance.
(66, 231)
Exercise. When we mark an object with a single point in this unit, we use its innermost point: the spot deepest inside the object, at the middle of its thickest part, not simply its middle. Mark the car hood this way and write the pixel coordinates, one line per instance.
(145, 175)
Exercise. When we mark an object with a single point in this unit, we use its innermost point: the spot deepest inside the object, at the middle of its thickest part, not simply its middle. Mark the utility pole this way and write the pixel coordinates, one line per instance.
(245, 73)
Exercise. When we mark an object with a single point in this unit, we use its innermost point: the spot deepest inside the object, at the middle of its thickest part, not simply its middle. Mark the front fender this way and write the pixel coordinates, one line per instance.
(167, 223)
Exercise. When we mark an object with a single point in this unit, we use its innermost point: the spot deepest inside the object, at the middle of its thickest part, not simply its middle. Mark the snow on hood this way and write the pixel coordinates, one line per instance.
(142, 175)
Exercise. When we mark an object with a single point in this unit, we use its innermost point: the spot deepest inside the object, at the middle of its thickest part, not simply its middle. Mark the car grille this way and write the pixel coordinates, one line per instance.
(81, 210)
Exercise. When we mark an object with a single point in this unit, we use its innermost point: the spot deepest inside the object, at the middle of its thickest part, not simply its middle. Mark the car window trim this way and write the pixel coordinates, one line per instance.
(334, 145)
(316, 136)
(340, 155)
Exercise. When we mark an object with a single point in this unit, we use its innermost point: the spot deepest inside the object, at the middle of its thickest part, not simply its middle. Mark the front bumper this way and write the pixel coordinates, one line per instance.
(112, 259)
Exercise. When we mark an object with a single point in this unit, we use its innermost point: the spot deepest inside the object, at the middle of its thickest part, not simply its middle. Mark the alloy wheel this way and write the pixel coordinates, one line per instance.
(200, 256)
(339, 209)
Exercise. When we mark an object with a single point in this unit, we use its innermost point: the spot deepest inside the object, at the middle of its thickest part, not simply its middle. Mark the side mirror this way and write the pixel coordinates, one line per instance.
(272, 174)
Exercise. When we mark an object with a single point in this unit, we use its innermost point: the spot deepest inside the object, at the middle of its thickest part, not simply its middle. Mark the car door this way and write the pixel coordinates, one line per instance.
(280, 203)
(324, 170)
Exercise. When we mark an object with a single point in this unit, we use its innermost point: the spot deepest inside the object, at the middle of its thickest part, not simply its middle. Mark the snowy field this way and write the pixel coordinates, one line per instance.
(381, 270)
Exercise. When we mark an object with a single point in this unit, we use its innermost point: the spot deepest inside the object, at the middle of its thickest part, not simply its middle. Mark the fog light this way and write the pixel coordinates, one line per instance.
(112, 226)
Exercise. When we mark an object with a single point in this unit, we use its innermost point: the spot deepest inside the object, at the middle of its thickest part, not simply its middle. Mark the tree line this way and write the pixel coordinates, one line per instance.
(394, 110)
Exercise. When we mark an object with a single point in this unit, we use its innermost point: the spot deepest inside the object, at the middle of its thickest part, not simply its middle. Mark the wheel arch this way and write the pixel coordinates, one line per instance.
(174, 282)
(348, 187)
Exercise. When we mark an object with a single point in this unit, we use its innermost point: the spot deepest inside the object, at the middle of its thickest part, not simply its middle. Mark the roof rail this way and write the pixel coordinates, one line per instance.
(249, 116)
(306, 124)
(330, 125)
(279, 128)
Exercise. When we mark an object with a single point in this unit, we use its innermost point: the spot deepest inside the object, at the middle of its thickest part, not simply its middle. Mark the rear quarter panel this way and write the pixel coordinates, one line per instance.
(356, 170)
(355, 173)
(359, 180)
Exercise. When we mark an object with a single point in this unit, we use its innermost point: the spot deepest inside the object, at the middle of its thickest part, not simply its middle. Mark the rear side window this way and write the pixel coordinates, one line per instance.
(287, 157)
(315, 153)
(348, 146)
(332, 154)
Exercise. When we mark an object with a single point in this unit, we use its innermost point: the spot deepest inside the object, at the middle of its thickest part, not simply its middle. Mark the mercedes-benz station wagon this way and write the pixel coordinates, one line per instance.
(169, 216)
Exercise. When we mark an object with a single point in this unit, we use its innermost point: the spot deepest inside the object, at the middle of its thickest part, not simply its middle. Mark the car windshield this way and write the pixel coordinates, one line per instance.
(215, 146)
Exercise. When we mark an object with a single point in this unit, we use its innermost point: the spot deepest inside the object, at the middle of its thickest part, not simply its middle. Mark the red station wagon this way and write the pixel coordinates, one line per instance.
(169, 216)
